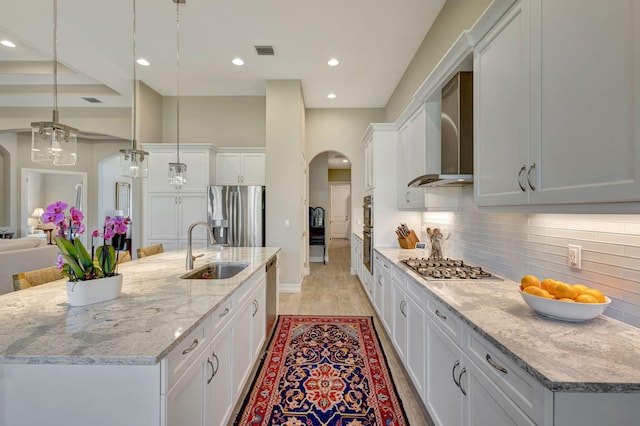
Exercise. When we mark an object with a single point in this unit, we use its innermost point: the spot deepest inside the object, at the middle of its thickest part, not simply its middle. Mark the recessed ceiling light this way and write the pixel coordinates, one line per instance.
(331, 96)
(143, 62)
(345, 161)
(237, 61)
(333, 62)
(7, 43)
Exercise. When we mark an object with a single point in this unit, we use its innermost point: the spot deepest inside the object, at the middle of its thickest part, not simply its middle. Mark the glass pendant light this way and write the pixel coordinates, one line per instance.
(51, 141)
(178, 170)
(134, 162)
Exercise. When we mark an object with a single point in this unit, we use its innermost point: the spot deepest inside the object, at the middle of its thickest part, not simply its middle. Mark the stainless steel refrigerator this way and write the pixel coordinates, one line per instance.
(236, 215)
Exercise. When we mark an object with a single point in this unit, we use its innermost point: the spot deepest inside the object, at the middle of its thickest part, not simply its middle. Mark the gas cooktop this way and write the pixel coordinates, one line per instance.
(448, 269)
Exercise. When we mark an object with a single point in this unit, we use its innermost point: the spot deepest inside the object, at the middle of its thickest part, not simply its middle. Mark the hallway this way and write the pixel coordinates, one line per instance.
(331, 290)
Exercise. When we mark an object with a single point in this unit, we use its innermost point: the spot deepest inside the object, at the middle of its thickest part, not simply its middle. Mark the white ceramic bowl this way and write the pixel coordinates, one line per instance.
(565, 311)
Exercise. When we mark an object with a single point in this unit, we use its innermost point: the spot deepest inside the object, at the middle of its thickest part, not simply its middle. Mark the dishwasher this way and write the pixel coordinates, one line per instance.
(272, 296)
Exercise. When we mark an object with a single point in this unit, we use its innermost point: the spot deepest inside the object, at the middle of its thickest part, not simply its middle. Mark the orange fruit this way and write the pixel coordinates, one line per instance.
(586, 298)
(544, 284)
(537, 291)
(566, 299)
(551, 288)
(596, 293)
(565, 291)
(529, 280)
(581, 288)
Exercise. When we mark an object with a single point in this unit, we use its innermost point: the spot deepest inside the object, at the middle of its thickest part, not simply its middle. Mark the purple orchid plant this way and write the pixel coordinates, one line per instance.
(74, 260)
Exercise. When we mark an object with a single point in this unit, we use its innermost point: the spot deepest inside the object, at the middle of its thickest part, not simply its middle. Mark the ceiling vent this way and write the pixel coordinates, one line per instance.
(92, 100)
(264, 50)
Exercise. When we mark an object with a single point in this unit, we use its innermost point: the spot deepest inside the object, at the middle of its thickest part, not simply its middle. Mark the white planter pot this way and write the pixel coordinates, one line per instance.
(81, 293)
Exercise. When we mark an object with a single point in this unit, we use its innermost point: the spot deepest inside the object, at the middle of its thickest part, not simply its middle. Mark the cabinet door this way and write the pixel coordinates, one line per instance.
(218, 385)
(158, 180)
(193, 208)
(415, 361)
(368, 164)
(388, 307)
(589, 145)
(404, 161)
(253, 169)
(241, 347)
(228, 168)
(399, 334)
(501, 111)
(197, 170)
(259, 317)
(443, 396)
(485, 404)
(378, 284)
(185, 402)
(163, 217)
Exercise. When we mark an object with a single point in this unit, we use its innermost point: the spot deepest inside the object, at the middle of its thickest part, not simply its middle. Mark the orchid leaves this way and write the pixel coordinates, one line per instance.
(79, 265)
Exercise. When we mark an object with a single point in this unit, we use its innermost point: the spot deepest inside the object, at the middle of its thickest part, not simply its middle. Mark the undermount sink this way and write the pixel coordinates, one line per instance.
(216, 271)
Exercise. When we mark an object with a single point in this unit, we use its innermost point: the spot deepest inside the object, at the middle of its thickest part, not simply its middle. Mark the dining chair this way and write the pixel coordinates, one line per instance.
(150, 250)
(36, 277)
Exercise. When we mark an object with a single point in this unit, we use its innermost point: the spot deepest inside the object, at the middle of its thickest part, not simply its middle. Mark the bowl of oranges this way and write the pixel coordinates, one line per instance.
(563, 301)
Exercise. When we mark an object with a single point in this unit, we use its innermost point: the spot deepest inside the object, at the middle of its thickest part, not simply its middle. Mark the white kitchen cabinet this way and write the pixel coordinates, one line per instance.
(388, 306)
(554, 125)
(443, 371)
(240, 168)
(415, 342)
(399, 327)
(169, 216)
(502, 111)
(259, 316)
(412, 158)
(218, 393)
(197, 157)
(242, 352)
(368, 164)
(382, 278)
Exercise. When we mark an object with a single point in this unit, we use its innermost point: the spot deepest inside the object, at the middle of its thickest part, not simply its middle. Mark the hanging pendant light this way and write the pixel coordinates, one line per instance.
(134, 162)
(51, 141)
(178, 170)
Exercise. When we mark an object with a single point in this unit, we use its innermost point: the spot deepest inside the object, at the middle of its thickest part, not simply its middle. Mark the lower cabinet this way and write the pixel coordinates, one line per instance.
(242, 352)
(186, 400)
(218, 393)
(259, 317)
(443, 371)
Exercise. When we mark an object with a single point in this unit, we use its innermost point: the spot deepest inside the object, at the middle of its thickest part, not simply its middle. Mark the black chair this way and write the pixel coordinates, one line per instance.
(316, 230)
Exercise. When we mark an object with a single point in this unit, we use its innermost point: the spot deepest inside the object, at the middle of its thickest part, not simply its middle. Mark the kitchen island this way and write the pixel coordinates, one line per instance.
(124, 361)
(482, 353)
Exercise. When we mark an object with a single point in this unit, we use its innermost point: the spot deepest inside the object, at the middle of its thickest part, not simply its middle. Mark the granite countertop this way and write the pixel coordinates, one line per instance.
(155, 312)
(600, 355)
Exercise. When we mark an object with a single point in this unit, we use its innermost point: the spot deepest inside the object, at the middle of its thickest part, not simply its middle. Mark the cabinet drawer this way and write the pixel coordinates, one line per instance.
(448, 322)
(416, 291)
(520, 387)
(182, 356)
(220, 317)
(242, 293)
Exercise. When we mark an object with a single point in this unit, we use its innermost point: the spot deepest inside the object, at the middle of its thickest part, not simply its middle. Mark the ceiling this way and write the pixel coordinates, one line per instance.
(374, 40)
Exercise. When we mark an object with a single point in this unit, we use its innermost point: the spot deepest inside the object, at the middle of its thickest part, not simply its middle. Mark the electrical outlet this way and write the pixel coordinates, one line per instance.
(574, 256)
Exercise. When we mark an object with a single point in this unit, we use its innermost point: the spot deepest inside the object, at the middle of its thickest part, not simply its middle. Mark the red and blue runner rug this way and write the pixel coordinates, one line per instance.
(323, 371)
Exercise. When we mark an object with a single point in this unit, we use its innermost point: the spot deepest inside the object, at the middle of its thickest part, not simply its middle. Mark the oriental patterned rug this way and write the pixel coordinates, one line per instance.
(323, 371)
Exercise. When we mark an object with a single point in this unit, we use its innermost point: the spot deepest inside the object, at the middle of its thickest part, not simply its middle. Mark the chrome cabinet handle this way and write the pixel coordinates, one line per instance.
(215, 370)
(522, 169)
(453, 373)
(496, 366)
(226, 311)
(212, 371)
(402, 305)
(441, 315)
(407, 197)
(255, 306)
(464, 370)
(380, 280)
(532, 186)
(190, 348)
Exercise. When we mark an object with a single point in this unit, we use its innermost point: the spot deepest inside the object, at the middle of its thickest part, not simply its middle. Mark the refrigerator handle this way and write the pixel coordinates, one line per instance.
(232, 218)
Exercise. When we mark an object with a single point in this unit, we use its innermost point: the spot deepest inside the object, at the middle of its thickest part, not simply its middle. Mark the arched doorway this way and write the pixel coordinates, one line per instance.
(330, 188)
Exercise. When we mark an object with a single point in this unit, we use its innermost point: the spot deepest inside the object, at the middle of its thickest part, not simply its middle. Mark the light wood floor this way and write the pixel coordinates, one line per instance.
(331, 290)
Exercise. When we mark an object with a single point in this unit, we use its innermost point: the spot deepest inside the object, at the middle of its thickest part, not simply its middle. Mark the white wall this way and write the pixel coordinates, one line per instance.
(516, 244)
(9, 142)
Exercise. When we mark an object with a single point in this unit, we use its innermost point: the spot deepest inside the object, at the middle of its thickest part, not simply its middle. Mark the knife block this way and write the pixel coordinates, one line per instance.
(410, 241)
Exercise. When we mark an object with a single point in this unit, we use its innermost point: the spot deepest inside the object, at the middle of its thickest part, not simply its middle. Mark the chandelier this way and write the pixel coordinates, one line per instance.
(178, 170)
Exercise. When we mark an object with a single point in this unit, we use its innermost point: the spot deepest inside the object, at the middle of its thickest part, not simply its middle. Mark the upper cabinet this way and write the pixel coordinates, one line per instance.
(412, 146)
(556, 110)
(240, 168)
(197, 157)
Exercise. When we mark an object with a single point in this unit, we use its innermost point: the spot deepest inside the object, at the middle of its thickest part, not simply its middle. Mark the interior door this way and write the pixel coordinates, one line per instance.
(340, 207)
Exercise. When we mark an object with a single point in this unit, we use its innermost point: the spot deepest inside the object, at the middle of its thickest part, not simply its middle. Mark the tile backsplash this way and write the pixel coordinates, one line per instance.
(516, 244)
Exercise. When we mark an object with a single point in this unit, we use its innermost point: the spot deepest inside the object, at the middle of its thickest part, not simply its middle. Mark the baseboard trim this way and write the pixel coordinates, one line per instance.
(290, 287)
(318, 259)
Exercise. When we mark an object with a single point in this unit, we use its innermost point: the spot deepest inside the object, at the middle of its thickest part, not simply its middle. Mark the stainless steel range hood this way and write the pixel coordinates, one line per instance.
(456, 135)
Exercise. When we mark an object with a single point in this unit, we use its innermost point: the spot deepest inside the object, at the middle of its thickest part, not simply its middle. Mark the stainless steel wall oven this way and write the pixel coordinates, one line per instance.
(367, 232)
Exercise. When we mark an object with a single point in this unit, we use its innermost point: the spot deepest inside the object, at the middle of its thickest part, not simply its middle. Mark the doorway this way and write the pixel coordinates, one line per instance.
(340, 207)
